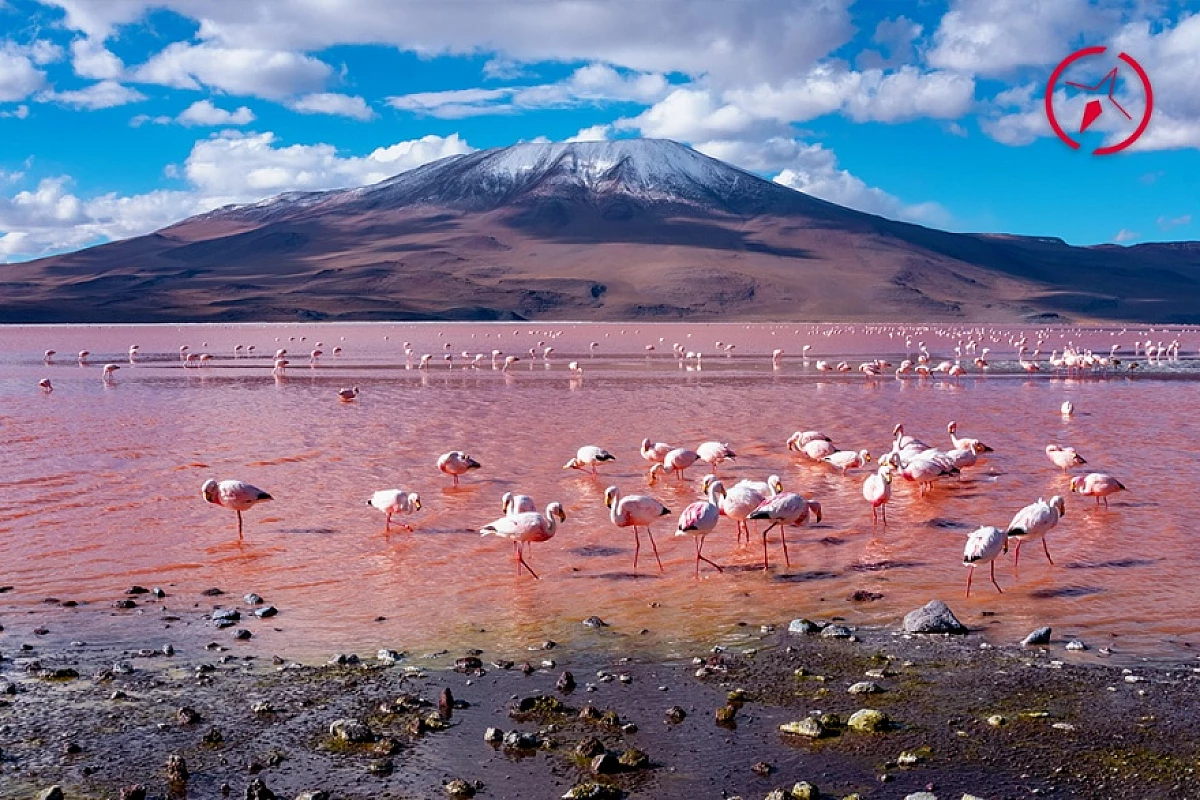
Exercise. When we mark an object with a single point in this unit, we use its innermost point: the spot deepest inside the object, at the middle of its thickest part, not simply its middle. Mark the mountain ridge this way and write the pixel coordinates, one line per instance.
(625, 229)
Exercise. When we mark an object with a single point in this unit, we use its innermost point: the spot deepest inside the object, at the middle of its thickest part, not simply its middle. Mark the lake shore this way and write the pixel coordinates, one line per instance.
(964, 718)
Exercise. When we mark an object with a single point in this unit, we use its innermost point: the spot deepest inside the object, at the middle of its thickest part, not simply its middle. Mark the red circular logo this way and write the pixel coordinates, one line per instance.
(1095, 107)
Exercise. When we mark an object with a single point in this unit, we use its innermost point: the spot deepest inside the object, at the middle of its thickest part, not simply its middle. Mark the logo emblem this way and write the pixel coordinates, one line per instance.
(1105, 88)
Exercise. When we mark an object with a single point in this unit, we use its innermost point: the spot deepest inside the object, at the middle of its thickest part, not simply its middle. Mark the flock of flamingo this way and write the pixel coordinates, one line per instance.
(909, 459)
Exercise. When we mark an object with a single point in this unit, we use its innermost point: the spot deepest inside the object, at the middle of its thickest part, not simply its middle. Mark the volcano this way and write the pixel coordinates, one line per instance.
(626, 229)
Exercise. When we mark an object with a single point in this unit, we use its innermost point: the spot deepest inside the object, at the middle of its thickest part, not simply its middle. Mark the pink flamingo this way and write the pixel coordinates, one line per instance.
(744, 498)
(635, 511)
(700, 518)
(784, 509)
(965, 444)
(589, 456)
(714, 453)
(456, 463)
(877, 490)
(395, 501)
(1098, 485)
(525, 528)
(983, 547)
(655, 452)
(1064, 457)
(1033, 522)
(233, 494)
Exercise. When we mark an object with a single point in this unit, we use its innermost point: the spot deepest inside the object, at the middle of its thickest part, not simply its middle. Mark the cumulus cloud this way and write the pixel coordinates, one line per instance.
(1125, 235)
(592, 133)
(105, 94)
(896, 37)
(342, 105)
(256, 72)
(19, 75)
(203, 112)
(229, 167)
(91, 59)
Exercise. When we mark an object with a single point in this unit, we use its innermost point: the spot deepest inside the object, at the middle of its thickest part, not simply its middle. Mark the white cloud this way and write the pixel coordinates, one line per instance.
(272, 74)
(229, 167)
(19, 78)
(696, 115)
(910, 94)
(897, 37)
(993, 37)
(593, 133)
(20, 112)
(342, 105)
(454, 103)
(105, 94)
(203, 112)
(92, 60)
(1125, 235)
(501, 69)
(1166, 223)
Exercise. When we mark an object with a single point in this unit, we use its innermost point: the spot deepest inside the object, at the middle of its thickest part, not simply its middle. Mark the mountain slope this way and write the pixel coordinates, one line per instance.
(596, 230)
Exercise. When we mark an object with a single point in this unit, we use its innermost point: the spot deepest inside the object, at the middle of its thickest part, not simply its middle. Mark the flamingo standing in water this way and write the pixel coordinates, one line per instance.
(813, 444)
(107, 374)
(847, 459)
(699, 519)
(635, 511)
(348, 395)
(525, 528)
(589, 456)
(676, 461)
(45, 386)
(744, 498)
(1064, 457)
(1098, 485)
(965, 444)
(49, 356)
(233, 494)
(877, 490)
(784, 509)
(655, 452)
(1033, 522)
(395, 501)
(512, 504)
(714, 453)
(984, 545)
(456, 463)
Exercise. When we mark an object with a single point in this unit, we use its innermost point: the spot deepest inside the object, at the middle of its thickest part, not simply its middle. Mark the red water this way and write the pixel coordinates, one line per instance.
(100, 484)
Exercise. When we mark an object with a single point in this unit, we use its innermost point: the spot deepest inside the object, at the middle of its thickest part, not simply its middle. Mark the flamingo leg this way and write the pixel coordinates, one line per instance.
(998, 589)
(883, 513)
(766, 563)
(522, 563)
(388, 525)
(637, 547)
(1047, 549)
(655, 548)
(699, 558)
(517, 556)
(970, 574)
(455, 480)
(239, 516)
(1017, 556)
(783, 540)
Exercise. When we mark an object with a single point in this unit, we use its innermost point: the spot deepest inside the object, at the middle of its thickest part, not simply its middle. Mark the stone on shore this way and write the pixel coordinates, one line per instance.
(933, 617)
(807, 726)
(135, 792)
(804, 791)
(921, 796)
(177, 771)
(459, 788)
(803, 626)
(318, 794)
(351, 730)
(1040, 636)
(868, 720)
(593, 791)
(866, 687)
(53, 793)
(257, 790)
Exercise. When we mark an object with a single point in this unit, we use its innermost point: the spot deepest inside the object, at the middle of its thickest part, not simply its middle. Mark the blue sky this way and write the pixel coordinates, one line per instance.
(118, 117)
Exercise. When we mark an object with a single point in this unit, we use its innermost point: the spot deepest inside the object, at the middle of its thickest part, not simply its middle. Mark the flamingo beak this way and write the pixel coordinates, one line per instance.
(417, 505)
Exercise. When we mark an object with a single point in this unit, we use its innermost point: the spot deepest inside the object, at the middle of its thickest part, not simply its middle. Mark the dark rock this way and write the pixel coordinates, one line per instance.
(257, 790)
(863, 596)
(836, 632)
(318, 794)
(519, 740)
(351, 730)
(605, 764)
(343, 660)
(589, 747)
(459, 788)
(158, 592)
(633, 759)
(527, 668)
(252, 599)
(53, 793)
(866, 687)
(177, 771)
(242, 634)
(58, 674)
(381, 767)
(493, 736)
(675, 715)
(468, 664)
(539, 705)
(213, 737)
(446, 703)
(124, 604)
(725, 714)
(593, 791)
(135, 792)
(805, 726)
(566, 682)
(187, 716)
(933, 617)
(1040, 636)
(213, 592)
(265, 612)
(167, 650)
(761, 768)
(595, 622)
(71, 748)
(135, 589)
(386, 746)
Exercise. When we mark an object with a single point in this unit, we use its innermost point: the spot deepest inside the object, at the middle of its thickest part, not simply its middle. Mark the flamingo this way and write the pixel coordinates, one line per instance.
(512, 504)
(44, 385)
(107, 373)
(83, 356)
(813, 444)
(280, 366)
(233, 494)
(456, 463)
(49, 356)
(848, 459)
(589, 456)
(983, 546)
(1033, 522)
(395, 501)
(525, 528)
(655, 452)
(788, 508)
(965, 444)
(1064, 457)
(877, 490)
(700, 518)
(677, 461)
(743, 498)
(924, 471)
(1097, 485)
(1067, 409)
(714, 453)
(348, 395)
(635, 511)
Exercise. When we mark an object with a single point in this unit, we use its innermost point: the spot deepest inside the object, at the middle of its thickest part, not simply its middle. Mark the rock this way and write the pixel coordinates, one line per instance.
(388, 656)
(187, 715)
(836, 632)
(351, 730)
(318, 794)
(262, 707)
(803, 626)
(538, 704)
(933, 617)
(213, 592)
(866, 687)
(167, 650)
(213, 737)
(225, 617)
(593, 791)
(909, 758)
(868, 720)
(605, 764)
(387, 746)
(135, 792)
(589, 748)
(58, 674)
(135, 589)
(177, 771)
(253, 599)
(777, 794)
(996, 720)
(383, 766)
(804, 791)
(519, 740)
(806, 726)
(761, 768)
(265, 612)
(1040, 636)
(566, 682)
(53, 793)
(121, 604)
(459, 788)
(633, 759)
(1075, 644)
(970, 797)
(257, 790)
(446, 703)
(863, 596)
(468, 664)
(921, 796)
(493, 735)
(595, 622)
(241, 634)
(725, 714)
(158, 592)
(675, 715)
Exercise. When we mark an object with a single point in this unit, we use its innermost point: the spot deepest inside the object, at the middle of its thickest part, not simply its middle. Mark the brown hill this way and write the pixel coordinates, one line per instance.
(601, 231)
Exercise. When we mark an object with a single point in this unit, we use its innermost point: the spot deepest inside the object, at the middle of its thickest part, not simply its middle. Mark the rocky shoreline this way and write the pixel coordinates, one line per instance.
(804, 710)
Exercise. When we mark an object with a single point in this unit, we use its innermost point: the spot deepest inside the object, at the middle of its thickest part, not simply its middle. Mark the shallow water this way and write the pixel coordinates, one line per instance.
(99, 487)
